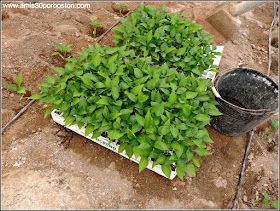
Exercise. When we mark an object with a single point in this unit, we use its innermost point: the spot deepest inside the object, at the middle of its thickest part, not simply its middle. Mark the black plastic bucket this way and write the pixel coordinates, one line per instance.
(247, 98)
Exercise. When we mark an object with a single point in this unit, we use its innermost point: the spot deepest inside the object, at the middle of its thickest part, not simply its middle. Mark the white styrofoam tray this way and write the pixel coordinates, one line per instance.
(210, 74)
(105, 143)
(115, 147)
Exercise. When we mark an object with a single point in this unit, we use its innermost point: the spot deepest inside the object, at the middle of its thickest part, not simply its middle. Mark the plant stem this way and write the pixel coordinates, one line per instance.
(94, 33)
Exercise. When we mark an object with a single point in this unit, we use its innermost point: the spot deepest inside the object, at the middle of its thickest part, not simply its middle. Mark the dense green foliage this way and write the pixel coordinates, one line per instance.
(167, 38)
(155, 110)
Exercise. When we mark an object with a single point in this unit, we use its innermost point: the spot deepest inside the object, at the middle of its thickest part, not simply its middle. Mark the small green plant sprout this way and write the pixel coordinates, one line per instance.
(267, 201)
(95, 26)
(121, 7)
(275, 125)
(64, 50)
(18, 88)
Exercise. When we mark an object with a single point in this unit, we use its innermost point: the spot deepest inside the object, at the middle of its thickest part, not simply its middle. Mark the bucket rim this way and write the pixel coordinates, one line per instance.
(230, 71)
(242, 69)
(262, 111)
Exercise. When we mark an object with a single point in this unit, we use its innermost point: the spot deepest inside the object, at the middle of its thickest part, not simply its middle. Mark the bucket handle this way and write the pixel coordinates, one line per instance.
(216, 93)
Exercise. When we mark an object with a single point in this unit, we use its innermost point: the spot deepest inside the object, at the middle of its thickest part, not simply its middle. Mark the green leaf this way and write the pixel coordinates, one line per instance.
(129, 150)
(126, 111)
(141, 80)
(174, 132)
(19, 79)
(199, 143)
(36, 96)
(191, 95)
(163, 130)
(76, 100)
(108, 83)
(60, 70)
(181, 51)
(149, 36)
(21, 90)
(142, 98)
(12, 86)
(275, 204)
(180, 173)
(175, 145)
(60, 47)
(113, 116)
(140, 120)
(160, 160)
(131, 96)
(114, 134)
(161, 145)
(160, 109)
(115, 81)
(202, 152)
(95, 134)
(111, 50)
(215, 112)
(191, 168)
(69, 120)
(206, 138)
(115, 92)
(173, 157)
(152, 83)
(122, 147)
(99, 85)
(130, 134)
(202, 117)
(196, 161)
(143, 163)
(266, 196)
(97, 60)
(112, 67)
(144, 145)
(137, 89)
(196, 71)
(172, 97)
(48, 111)
(103, 101)
(138, 73)
(166, 170)
(87, 81)
(89, 129)
(168, 50)
(51, 79)
(136, 127)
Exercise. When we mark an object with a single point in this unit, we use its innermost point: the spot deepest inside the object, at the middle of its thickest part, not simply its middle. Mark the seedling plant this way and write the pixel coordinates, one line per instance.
(95, 26)
(274, 127)
(267, 201)
(64, 50)
(121, 7)
(168, 38)
(154, 109)
(18, 88)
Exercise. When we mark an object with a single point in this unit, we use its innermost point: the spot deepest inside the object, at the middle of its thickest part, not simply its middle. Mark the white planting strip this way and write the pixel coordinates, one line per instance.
(105, 143)
(210, 74)
(115, 147)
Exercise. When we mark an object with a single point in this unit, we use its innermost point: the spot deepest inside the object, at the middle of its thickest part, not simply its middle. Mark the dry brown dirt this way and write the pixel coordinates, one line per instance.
(45, 166)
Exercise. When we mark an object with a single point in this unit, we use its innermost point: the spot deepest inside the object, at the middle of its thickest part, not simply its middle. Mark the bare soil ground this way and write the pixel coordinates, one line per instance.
(45, 166)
